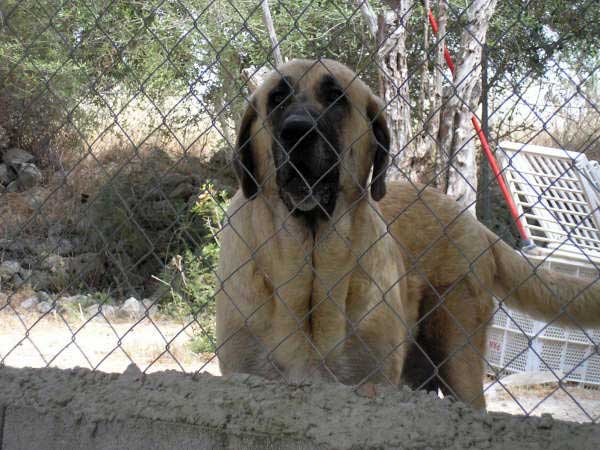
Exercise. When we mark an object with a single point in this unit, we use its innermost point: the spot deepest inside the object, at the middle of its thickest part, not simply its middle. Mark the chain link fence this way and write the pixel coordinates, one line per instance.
(118, 139)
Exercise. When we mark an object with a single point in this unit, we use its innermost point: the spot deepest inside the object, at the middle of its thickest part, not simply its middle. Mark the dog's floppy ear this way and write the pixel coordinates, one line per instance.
(243, 158)
(382, 141)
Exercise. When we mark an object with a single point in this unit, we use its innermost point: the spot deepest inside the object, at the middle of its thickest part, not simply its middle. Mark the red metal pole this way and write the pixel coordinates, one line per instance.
(434, 27)
(486, 148)
(511, 204)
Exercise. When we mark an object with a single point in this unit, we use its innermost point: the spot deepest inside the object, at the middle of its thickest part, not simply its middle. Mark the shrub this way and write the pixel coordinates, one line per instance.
(190, 276)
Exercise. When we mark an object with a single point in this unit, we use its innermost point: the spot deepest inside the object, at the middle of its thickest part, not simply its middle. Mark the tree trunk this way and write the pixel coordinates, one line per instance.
(439, 158)
(457, 138)
(419, 162)
(268, 21)
(414, 159)
(392, 61)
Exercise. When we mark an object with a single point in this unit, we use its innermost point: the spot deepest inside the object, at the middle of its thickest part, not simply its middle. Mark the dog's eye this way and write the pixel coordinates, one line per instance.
(334, 95)
(278, 97)
(281, 93)
(330, 92)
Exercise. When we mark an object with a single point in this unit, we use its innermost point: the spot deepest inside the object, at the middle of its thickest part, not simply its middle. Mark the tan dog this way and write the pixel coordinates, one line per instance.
(463, 264)
(312, 281)
(310, 276)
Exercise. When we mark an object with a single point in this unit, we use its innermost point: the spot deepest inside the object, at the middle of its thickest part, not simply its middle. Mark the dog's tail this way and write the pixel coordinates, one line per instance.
(545, 294)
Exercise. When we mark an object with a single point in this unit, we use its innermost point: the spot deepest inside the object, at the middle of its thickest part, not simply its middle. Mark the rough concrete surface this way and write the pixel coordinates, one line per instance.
(72, 409)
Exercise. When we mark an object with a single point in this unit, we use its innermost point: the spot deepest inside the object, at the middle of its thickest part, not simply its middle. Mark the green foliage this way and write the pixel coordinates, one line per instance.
(191, 277)
(525, 39)
(236, 38)
(58, 57)
(176, 246)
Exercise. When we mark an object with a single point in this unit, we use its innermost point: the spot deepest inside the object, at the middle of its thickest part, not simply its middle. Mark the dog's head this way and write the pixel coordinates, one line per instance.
(311, 131)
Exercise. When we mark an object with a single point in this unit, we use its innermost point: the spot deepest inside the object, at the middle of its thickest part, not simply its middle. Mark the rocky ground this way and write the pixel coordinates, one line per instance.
(17, 172)
(81, 251)
(76, 332)
(85, 305)
(60, 233)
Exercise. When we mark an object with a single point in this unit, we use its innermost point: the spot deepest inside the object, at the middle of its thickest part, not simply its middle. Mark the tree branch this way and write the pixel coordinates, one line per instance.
(368, 15)
(268, 20)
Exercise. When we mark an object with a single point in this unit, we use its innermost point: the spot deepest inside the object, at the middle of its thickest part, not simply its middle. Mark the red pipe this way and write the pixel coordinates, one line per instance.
(434, 26)
(511, 204)
(486, 148)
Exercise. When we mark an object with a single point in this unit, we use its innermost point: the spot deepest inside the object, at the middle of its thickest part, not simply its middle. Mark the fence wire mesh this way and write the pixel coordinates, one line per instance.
(123, 240)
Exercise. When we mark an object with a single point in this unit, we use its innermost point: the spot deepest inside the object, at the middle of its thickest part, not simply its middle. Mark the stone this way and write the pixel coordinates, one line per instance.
(25, 275)
(12, 187)
(97, 311)
(9, 268)
(44, 307)
(28, 176)
(60, 246)
(133, 308)
(150, 306)
(40, 279)
(109, 311)
(3, 298)
(92, 311)
(17, 280)
(6, 174)
(43, 296)
(184, 190)
(15, 157)
(30, 303)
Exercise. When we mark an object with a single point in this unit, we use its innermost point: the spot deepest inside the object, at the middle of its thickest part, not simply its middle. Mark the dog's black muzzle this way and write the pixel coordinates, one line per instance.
(307, 160)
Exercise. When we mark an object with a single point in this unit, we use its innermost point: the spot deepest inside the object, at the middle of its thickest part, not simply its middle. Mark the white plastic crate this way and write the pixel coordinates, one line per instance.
(557, 195)
(518, 343)
(557, 192)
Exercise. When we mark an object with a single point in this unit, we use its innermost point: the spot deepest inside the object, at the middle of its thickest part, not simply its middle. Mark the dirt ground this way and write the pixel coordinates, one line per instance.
(66, 342)
(161, 344)
(573, 403)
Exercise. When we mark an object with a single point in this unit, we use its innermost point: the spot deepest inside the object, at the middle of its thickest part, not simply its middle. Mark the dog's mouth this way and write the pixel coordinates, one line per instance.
(300, 195)
(307, 163)
(308, 178)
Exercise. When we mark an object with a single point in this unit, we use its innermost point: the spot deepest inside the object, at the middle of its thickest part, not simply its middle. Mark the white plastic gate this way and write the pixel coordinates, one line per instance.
(557, 194)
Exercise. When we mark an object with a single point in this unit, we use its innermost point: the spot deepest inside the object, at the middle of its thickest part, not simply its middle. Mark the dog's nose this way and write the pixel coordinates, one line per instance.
(296, 128)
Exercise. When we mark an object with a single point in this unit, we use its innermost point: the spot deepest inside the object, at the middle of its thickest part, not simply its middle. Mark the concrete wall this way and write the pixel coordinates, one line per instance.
(79, 409)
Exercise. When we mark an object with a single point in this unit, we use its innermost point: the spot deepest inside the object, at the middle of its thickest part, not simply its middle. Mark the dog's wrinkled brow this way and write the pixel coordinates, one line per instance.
(282, 89)
(285, 85)
(330, 90)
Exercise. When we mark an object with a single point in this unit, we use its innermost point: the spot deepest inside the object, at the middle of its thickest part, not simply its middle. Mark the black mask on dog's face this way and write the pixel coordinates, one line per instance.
(304, 115)
(305, 144)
